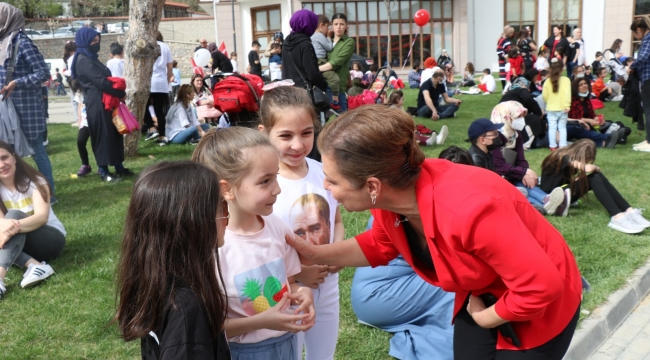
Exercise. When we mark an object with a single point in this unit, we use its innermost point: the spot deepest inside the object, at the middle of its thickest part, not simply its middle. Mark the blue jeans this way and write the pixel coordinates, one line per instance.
(578, 132)
(343, 100)
(569, 69)
(535, 195)
(556, 122)
(60, 89)
(42, 160)
(191, 133)
(444, 111)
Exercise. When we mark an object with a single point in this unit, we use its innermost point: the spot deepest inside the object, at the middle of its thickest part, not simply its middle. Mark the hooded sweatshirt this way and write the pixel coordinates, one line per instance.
(298, 51)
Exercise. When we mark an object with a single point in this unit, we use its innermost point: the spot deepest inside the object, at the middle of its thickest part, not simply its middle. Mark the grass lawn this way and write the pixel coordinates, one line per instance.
(68, 316)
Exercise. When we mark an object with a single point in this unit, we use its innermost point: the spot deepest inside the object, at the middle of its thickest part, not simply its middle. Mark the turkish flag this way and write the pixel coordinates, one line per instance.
(222, 48)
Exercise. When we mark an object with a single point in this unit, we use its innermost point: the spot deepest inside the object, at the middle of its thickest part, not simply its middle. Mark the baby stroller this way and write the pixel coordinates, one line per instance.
(238, 97)
(369, 96)
(614, 64)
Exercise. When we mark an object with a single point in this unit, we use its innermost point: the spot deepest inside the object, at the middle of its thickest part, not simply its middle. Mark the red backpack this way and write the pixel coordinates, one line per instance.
(236, 93)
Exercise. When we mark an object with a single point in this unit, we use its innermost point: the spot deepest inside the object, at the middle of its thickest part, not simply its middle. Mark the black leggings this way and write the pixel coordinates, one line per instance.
(474, 342)
(160, 102)
(82, 140)
(605, 192)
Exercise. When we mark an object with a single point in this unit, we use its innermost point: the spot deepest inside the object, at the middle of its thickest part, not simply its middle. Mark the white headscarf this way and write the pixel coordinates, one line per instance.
(504, 113)
(11, 21)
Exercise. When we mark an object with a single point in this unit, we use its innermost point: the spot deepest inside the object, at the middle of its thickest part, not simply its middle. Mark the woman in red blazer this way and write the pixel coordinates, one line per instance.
(462, 228)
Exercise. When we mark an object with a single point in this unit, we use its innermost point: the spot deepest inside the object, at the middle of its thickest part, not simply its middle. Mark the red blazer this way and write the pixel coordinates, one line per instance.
(484, 236)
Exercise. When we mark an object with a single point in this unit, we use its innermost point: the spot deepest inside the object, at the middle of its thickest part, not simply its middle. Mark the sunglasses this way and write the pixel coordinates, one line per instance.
(224, 211)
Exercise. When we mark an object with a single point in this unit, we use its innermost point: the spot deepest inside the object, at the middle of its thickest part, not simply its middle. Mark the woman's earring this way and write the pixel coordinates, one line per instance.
(373, 198)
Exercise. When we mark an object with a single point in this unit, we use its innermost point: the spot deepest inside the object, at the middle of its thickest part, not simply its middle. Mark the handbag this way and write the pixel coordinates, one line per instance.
(119, 122)
(319, 97)
(128, 118)
(10, 130)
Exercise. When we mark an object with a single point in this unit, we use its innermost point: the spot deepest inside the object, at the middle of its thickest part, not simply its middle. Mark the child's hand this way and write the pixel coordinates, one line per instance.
(591, 168)
(312, 275)
(334, 269)
(275, 318)
(305, 298)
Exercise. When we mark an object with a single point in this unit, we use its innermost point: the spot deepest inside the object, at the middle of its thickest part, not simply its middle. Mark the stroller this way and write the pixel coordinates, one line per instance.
(614, 64)
(238, 97)
(368, 96)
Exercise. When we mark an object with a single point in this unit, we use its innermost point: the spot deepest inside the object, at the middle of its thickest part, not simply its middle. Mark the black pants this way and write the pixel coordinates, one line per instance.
(160, 102)
(645, 99)
(605, 192)
(82, 140)
(474, 342)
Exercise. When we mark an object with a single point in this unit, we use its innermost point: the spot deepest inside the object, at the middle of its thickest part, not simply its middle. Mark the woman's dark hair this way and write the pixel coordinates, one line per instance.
(183, 91)
(374, 67)
(203, 87)
(372, 141)
(531, 74)
(523, 34)
(170, 241)
(278, 101)
(395, 96)
(68, 49)
(616, 45)
(416, 65)
(340, 16)
(640, 23)
(583, 151)
(159, 36)
(470, 68)
(75, 85)
(575, 85)
(561, 28)
(456, 155)
(24, 176)
(358, 64)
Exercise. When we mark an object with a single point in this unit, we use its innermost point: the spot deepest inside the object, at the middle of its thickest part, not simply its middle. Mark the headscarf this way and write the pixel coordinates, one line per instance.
(504, 113)
(83, 38)
(304, 21)
(520, 82)
(11, 21)
(430, 63)
(212, 47)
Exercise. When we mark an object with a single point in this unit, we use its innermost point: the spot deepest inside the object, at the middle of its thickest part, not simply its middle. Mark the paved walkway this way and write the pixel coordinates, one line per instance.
(631, 341)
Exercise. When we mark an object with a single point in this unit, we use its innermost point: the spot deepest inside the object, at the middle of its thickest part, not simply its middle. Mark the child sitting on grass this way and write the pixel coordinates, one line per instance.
(488, 84)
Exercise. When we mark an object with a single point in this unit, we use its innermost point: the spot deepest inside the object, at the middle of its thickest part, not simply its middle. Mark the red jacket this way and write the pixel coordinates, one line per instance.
(484, 236)
(110, 101)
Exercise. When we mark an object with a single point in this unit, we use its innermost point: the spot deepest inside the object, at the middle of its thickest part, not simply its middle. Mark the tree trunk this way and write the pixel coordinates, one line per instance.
(141, 51)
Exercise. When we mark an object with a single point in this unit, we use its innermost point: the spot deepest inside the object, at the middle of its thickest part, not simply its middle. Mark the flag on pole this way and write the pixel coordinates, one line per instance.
(222, 48)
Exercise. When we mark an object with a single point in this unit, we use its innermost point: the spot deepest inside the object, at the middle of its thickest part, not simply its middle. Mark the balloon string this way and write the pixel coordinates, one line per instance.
(411, 49)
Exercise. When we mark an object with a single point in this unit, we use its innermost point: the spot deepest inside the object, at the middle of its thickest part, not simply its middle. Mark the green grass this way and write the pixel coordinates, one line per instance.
(67, 317)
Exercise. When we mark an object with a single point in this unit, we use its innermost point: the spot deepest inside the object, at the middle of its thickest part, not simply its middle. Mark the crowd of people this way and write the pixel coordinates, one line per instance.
(259, 278)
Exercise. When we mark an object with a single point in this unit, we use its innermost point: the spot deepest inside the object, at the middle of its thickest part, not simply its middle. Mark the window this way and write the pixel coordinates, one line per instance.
(565, 14)
(368, 25)
(520, 14)
(266, 22)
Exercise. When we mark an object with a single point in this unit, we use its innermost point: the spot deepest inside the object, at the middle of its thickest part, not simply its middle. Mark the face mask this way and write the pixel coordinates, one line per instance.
(94, 48)
(496, 143)
(583, 94)
(580, 76)
(518, 124)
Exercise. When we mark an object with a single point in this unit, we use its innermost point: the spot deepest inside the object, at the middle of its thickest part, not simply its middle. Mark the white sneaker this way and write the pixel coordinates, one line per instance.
(553, 200)
(151, 136)
(640, 144)
(636, 216)
(643, 147)
(3, 289)
(625, 225)
(444, 131)
(617, 98)
(432, 140)
(35, 274)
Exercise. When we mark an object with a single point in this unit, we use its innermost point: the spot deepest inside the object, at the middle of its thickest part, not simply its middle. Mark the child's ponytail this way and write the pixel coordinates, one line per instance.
(556, 71)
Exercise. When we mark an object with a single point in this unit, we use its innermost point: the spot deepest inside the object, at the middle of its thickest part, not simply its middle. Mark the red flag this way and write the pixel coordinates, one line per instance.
(222, 48)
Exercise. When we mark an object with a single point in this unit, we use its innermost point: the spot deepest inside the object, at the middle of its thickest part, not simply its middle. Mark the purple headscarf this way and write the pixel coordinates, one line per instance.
(304, 22)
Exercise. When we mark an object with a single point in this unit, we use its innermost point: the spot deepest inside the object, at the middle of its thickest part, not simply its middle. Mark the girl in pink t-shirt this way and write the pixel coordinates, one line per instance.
(257, 265)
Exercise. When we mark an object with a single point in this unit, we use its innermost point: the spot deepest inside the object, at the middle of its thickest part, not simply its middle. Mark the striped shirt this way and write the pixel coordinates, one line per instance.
(15, 200)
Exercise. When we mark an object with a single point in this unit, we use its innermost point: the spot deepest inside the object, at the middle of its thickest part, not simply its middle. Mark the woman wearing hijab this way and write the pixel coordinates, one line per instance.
(25, 88)
(219, 60)
(92, 74)
(299, 57)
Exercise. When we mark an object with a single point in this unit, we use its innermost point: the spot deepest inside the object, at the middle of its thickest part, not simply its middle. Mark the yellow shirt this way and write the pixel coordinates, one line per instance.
(560, 100)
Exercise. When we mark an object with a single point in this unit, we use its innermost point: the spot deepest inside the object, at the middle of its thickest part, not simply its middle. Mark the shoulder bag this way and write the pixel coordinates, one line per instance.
(319, 97)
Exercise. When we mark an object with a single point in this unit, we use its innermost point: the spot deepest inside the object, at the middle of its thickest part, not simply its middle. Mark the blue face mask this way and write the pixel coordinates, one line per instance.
(583, 94)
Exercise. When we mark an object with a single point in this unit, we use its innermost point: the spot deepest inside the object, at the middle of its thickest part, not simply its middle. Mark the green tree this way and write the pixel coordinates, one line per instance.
(37, 8)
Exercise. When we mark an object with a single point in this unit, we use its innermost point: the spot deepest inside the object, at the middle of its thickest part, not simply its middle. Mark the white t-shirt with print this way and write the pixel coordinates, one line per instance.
(255, 269)
(79, 98)
(159, 78)
(25, 202)
(116, 66)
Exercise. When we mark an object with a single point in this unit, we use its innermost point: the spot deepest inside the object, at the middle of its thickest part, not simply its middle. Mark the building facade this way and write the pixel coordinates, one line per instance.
(467, 29)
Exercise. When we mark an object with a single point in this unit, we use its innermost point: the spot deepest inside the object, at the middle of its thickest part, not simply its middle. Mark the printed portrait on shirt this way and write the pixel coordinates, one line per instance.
(310, 219)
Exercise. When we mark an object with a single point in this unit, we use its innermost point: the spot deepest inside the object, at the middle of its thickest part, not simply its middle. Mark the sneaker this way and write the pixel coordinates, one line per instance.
(46, 142)
(644, 147)
(563, 209)
(151, 136)
(3, 289)
(194, 141)
(125, 173)
(553, 200)
(531, 138)
(84, 170)
(486, 93)
(617, 98)
(640, 144)
(35, 274)
(613, 139)
(335, 106)
(625, 225)
(111, 178)
(432, 140)
(636, 216)
(444, 131)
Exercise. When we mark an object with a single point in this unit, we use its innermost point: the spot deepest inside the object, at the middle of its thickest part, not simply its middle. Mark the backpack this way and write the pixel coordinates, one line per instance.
(237, 93)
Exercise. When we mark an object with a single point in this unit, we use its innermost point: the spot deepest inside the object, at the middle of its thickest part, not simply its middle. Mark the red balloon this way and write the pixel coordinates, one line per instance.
(421, 17)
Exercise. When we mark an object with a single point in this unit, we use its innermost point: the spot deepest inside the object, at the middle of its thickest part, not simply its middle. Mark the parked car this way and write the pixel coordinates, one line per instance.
(45, 32)
(65, 31)
(54, 64)
(32, 34)
(116, 27)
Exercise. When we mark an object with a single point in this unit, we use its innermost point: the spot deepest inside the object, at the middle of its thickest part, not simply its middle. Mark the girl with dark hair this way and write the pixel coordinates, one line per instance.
(30, 233)
(557, 96)
(341, 54)
(641, 66)
(574, 167)
(204, 101)
(443, 218)
(182, 124)
(468, 75)
(168, 291)
(527, 47)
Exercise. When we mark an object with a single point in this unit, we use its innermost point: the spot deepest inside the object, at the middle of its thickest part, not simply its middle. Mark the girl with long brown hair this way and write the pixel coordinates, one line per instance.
(204, 101)
(557, 96)
(167, 285)
(182, 124)
(573, 166)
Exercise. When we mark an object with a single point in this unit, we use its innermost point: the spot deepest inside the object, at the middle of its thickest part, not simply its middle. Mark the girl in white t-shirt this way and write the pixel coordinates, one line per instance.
(257, 265)
(289, 120)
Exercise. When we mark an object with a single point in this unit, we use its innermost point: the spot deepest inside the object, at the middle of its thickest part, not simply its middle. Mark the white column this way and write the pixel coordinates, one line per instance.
(593, 18)
(542, 21)
(216, 30)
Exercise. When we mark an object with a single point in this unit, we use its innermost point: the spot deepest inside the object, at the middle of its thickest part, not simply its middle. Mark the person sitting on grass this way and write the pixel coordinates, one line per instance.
(396, 100)
(574, 168)
(30, 233)
(415, 75)
(182, 124)
(428, 95)
(484, 136)
(488, 84)
(605, 92)
(456, 155)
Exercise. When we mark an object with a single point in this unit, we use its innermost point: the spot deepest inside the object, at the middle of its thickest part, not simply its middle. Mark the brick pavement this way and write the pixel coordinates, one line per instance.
(631, 341)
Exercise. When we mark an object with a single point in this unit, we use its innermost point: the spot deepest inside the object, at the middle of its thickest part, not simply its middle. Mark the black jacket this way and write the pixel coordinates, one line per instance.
(564, 44)
(480, 158)
(297, 51)
(525, 98)
(221, 61)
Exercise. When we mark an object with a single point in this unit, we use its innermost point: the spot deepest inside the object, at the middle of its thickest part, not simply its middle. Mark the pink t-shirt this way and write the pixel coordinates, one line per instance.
(255, 269)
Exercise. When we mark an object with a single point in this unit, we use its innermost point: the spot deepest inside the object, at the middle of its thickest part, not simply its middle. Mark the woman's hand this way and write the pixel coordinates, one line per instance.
(275, 318)
(304, 298)
(530, 179)
(7, 89)
(8, 228)
(306, 250)
(312, 275)
(590, 168)
(485, 317)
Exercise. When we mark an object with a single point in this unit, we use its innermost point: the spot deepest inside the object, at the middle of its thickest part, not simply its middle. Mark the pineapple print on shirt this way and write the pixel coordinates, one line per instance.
(261, 288)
